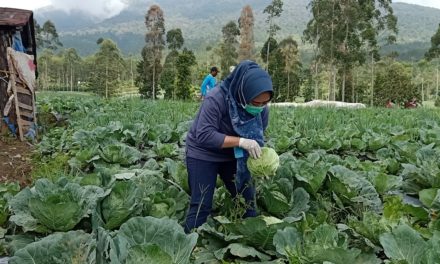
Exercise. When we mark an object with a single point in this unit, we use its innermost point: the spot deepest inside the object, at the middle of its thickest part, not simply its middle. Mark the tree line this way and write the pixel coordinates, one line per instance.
(346, 36)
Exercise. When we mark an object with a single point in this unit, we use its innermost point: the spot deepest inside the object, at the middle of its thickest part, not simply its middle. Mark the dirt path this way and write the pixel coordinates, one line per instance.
(15, 161)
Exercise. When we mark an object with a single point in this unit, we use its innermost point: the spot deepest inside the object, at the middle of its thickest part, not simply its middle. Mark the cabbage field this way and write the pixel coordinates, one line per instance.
(109, 186)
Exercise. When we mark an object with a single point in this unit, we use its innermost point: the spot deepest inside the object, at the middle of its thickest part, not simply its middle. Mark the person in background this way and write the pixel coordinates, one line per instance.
(209, 82)
(389, 104)
(227, 130)
(411, 103)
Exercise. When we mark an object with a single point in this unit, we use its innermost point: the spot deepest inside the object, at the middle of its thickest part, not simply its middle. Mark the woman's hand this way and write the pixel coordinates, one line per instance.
(251, 146)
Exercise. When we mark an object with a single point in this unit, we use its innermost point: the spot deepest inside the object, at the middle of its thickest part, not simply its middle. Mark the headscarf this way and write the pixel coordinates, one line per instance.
(247, 81)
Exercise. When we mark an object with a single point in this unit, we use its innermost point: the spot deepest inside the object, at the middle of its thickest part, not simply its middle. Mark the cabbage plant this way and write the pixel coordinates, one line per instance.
(53, 206)
(71, 247)
(152, 240)
(266, 165)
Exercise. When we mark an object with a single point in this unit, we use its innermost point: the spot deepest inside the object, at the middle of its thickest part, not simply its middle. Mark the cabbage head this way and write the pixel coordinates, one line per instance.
(266, 165)
(52, 206)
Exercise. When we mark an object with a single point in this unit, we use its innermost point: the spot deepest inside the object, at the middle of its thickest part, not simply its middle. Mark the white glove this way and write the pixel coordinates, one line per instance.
(251, 146)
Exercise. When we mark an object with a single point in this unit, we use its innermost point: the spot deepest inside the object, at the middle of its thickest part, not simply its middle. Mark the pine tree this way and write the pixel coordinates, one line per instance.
(246, 24)
(149, 68)
(168, 78)
(273, 10)
(228, 48)
(434, 53)
(108, 63)
(175, 39)
(393, 81)
(184, 63)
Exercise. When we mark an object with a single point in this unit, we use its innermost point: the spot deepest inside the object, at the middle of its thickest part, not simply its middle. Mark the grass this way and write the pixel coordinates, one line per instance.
(50, 167)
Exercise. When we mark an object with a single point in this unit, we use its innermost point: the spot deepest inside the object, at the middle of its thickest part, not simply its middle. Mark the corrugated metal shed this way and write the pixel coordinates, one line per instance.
(14, 17)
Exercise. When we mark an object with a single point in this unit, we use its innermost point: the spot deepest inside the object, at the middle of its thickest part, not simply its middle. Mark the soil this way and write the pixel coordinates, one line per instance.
(15, 161)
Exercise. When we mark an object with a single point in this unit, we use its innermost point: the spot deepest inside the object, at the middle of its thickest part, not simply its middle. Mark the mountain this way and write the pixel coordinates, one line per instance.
(66, 21)
(201, 22)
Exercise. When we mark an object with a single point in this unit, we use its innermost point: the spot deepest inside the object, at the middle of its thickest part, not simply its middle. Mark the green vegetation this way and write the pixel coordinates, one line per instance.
(149, 67)
(416, 25)
(352, 185)
(333, 185)
(266, 165)
(346, 64)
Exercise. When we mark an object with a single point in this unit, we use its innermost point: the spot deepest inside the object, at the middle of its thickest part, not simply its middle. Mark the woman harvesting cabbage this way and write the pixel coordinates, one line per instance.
(231, 119)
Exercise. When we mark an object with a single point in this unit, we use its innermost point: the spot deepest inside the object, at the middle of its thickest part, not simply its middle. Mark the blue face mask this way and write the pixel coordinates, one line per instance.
(253, 110)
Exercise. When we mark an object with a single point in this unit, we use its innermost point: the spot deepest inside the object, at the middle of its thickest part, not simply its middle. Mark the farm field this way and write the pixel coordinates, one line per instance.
(109, 186)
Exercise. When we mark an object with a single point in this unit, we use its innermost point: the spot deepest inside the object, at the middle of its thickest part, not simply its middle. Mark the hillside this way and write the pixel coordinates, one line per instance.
(201, 23)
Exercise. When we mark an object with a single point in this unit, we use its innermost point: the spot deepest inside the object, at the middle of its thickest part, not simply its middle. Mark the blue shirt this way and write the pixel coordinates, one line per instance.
(212, 124)
(208, 84)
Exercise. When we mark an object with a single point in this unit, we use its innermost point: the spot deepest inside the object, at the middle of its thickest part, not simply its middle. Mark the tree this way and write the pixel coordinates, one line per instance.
(168, 78)
(71, 64)
(44, 59)
(284, 67)
(308, 86)
(246, 24)
(149, 67)
(393, 82)
(434, 50)
(108, 63)
(276, 70)
(289, 50)
(346, 32)
(270, 45)
(434, 53)
(273, 10)
(184, 63)
(228, 48)
(175, 39)
(47, 36)
(420, 78)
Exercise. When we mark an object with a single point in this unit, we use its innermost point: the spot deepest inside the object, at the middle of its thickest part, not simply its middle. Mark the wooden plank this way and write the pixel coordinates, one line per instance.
(35, 111)
(26, 109)
(26, 123)
(23, 90)
(3, 72)
(25, 106)
(17, 108)
(27, 114)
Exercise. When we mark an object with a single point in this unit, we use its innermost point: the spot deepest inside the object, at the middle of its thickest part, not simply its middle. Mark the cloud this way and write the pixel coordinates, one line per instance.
(430, 3)
(24, 4)
(99, 8)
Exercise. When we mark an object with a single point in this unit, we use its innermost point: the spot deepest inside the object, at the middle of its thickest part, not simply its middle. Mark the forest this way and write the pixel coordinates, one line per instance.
(346, 64)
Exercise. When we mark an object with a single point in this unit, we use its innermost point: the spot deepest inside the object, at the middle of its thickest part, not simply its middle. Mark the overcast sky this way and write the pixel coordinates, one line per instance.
(102, 8)
(107, 8)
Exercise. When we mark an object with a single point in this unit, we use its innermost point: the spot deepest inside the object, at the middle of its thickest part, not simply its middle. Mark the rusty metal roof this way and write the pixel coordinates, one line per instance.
(14, 17)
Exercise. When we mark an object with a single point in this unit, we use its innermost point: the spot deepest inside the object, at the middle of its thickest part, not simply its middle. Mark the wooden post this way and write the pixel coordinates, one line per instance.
(16, 102)
(6, 41)
(25, 105)
(3, 85)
